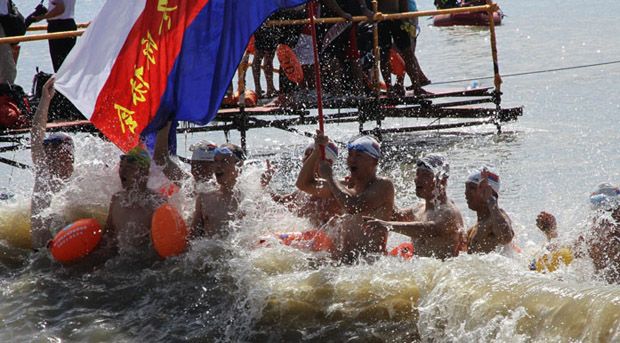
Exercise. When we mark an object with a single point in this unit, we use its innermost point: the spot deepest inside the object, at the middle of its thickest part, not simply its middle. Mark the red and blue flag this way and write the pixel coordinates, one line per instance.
(144, 62)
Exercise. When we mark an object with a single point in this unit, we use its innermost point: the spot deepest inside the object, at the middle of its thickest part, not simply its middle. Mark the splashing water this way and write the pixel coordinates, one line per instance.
(231, 290)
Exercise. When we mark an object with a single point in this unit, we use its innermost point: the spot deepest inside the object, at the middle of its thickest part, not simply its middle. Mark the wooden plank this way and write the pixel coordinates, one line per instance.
(71, 126)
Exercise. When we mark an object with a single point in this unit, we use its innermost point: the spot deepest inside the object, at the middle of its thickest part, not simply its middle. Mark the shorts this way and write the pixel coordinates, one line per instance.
(390, 30)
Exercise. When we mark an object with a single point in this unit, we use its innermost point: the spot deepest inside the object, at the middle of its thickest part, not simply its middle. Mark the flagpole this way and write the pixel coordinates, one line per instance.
(317, 72)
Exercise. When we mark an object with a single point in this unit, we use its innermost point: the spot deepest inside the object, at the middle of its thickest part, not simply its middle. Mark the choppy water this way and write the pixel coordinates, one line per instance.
(551, 159)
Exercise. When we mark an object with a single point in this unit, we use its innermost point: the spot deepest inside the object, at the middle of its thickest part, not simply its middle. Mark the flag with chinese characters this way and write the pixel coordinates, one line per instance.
(143, 62)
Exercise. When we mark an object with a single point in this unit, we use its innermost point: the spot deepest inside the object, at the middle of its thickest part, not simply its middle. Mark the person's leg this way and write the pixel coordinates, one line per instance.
(421, 77)
(242, 70)
(60, 48)
(256, 69)
(268, 65)
(385, 42)
(8, 70)
(403, 43)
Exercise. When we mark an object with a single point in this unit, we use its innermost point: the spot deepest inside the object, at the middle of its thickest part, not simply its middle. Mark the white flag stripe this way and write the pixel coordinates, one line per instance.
(87, 68)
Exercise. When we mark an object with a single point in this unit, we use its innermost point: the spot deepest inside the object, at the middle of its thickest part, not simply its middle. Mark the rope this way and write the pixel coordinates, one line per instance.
(531, 72)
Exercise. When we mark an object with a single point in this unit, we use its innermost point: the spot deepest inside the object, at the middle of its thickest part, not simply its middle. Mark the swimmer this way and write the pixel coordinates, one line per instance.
(128, 227)
(215, 208)
(203, 161)
(493, 228)
(369, 195)
(52, 160)
(603, 241)
(435, 225)
(318, 207)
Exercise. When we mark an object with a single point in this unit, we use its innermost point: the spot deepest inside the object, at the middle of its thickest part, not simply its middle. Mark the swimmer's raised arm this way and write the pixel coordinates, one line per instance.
(307, 180)
(39, 122)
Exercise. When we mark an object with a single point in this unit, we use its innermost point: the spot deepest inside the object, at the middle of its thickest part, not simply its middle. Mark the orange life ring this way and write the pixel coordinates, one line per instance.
(75, 241)
(168, 231)
(290, 63)
(397, 64)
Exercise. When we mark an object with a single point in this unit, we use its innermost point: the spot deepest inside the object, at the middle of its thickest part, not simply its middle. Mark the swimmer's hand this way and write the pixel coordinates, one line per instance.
(320, 139)
(546, 221)
(265, 178)
(48, 90)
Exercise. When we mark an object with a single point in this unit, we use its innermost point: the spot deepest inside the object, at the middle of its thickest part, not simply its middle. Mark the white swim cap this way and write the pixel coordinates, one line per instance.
(367, 145)
(58, 138)
(434, 163)
(331, 151)
(203, 151)
(493, 178)
(605, 195)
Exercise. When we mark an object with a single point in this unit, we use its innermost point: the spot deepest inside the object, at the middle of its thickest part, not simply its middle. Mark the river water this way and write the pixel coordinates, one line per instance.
(225, 290)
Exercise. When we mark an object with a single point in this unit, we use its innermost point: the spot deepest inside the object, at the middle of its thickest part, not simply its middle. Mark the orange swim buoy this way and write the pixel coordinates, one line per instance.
(397, 64)
(290, 63)
(168, 231)
(75, 241)
(312, 240)
(404, 250)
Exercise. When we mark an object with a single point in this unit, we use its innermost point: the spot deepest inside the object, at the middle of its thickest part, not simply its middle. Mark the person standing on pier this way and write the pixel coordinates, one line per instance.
(59, 19)
(8, 70)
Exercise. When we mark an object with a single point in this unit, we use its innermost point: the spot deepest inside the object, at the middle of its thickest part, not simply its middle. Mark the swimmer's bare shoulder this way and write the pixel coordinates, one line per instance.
(381, 194)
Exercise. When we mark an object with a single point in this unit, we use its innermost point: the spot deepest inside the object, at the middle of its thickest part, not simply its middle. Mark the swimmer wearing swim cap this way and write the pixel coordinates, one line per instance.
(435, 225)
(308, 180)
(493, 228)
(53, 166)
(366, 145)
(605, 197)
(216, 207)
(128, 227)
(203, 160)
(603, 238)
(367, 194)
(318, 210)
(134, 169)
